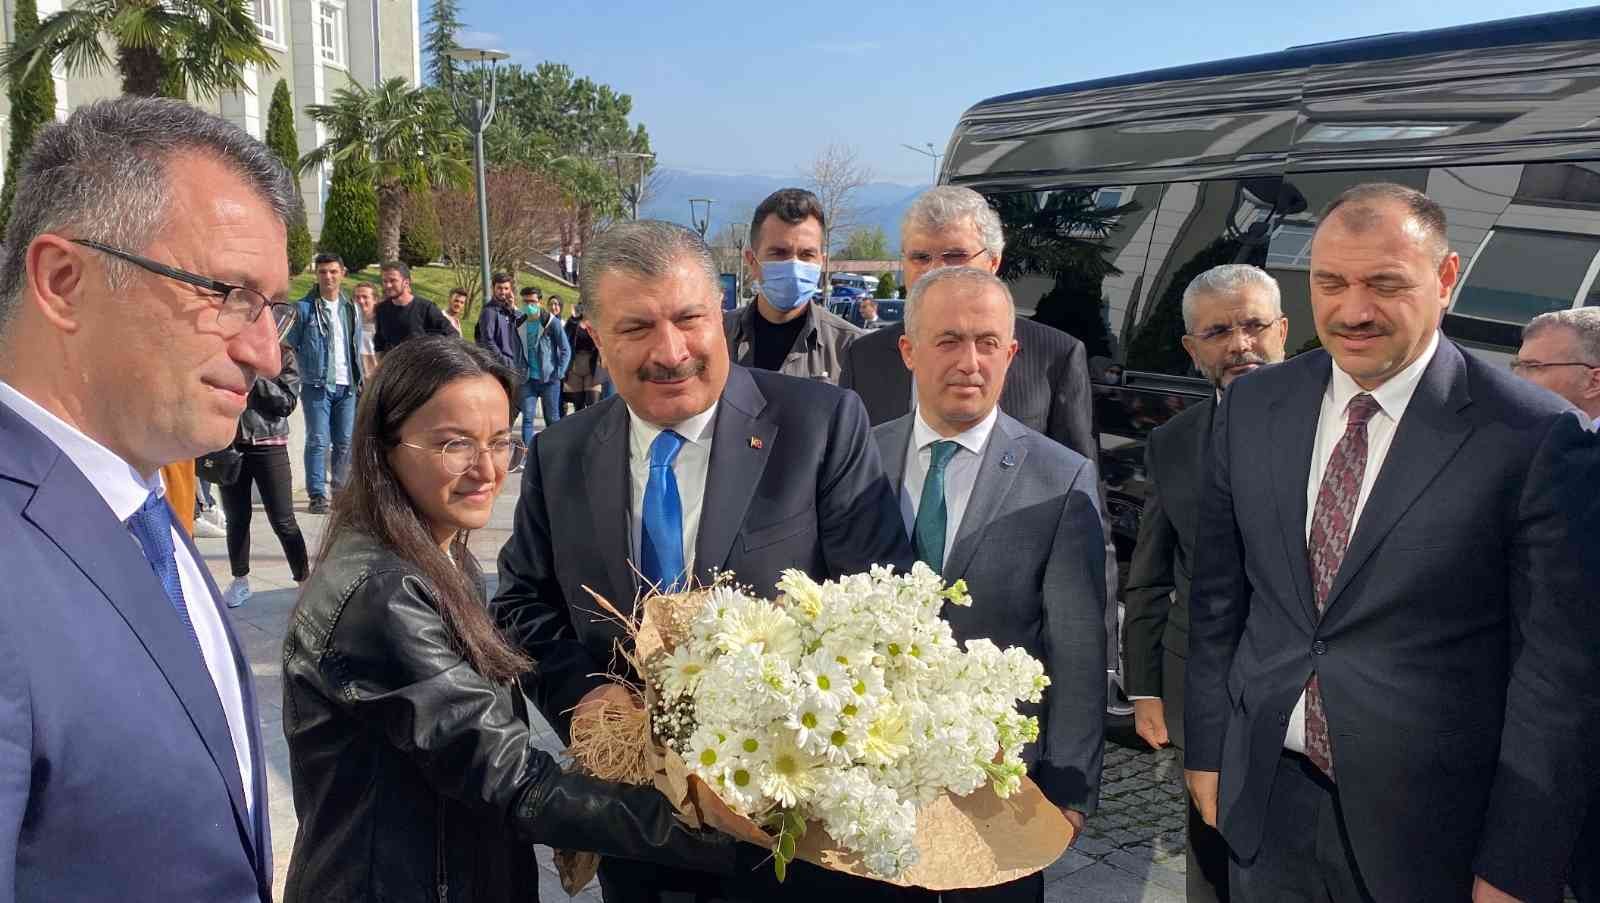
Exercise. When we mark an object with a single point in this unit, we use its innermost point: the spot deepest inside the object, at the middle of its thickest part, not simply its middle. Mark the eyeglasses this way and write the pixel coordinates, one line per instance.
(459, 455)
(948, 258)
(1249, 328)
(241, 306)
(1518, 365)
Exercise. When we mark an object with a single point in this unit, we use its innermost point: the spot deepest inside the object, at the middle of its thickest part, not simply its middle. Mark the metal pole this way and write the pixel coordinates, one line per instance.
(483, 198)
(639, 191)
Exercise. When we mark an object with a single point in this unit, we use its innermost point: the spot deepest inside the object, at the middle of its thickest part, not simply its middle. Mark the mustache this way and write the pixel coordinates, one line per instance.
(1361, 330)
(1243, 358)
(655, 373)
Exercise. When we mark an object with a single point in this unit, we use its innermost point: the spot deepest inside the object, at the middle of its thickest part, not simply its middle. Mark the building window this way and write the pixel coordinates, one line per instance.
(269, 20)
(331, 23)
(1291, 247)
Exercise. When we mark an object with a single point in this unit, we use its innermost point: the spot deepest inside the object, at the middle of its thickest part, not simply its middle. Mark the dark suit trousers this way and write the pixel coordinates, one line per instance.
(1206, 871)
(1585, 875)
(625, 881)
(1305, 854)
(1023, 890)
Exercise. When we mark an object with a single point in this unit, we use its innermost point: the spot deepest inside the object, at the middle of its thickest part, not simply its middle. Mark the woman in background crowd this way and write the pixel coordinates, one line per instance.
(582, 386)
(263, 440)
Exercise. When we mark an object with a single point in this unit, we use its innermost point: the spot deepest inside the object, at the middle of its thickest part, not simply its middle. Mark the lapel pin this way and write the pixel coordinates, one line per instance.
(755, 443)
(1008, 460)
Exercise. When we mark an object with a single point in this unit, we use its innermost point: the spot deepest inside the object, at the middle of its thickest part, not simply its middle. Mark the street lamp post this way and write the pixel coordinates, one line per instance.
(643, 159)
(474, 112)
(701, 223)
(930, 152)
(737, 230)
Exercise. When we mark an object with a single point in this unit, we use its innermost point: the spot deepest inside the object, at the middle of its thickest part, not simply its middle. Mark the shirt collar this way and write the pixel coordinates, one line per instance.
(1394, 395)
(122, 488)
(972, 439)
(697, 430)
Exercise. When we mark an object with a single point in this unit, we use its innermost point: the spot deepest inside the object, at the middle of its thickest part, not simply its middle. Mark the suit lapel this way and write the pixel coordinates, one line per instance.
(1293, 430)
(247, 689)
(1003, 456)
(1428, 436)
(893, 379)
(108, 555)
(608, 487)
(740, 446)
(894, 448)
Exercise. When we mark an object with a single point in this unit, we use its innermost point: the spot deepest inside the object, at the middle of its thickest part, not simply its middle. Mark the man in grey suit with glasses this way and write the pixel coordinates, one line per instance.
(1016, 516)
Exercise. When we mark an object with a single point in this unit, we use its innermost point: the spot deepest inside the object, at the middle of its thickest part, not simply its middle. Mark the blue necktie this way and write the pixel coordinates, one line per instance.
(661, 538)
(932, 517)
(152, 526)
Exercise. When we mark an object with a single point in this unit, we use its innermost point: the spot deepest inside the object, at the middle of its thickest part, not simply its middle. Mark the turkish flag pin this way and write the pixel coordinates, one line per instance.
(755, 442)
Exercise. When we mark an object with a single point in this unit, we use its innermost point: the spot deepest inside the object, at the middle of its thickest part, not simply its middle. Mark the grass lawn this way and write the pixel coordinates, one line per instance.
(434, 283)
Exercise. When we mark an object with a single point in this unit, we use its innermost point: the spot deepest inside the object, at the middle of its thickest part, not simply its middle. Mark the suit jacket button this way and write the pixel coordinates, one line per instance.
(1319, 648)
(1283, 719)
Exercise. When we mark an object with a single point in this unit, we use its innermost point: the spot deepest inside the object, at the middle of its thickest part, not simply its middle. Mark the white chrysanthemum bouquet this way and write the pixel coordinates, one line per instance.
(845, 725)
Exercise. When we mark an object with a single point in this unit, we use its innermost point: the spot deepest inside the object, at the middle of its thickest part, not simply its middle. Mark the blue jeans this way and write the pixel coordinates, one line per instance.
(546, 393)
(330, 419)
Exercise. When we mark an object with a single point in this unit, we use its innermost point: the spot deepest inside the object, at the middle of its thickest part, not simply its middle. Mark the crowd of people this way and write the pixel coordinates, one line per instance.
(1361, 599)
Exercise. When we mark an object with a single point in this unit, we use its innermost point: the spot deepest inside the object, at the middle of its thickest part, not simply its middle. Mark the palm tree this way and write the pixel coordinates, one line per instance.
(402, 138)
(162, 47)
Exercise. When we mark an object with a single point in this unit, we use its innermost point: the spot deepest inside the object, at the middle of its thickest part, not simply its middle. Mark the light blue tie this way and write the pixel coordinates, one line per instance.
(661, 538)
(932, 516)
(152, 526)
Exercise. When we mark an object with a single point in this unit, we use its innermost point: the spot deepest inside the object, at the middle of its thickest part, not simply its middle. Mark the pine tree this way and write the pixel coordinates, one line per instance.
(33, 105)
(283, 144)
(350, 221)
(420, 243)
(444, 21)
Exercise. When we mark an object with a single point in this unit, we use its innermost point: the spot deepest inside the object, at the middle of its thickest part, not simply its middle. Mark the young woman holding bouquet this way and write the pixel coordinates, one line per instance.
(412, 772)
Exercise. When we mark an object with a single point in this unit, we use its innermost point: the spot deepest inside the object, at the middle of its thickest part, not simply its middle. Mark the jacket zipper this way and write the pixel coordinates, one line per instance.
(439, 855)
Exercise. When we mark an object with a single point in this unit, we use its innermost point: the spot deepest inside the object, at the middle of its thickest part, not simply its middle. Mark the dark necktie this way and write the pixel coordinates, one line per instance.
(932, 516)
(1330, 536)
(661, 534)
(152, 526)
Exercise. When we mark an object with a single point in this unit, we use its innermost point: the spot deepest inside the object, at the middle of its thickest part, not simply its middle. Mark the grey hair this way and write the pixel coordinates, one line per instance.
(105, 174)
(1226, 280)
(944, 206)
(646, 247)
(1583, 321)
(964, 277)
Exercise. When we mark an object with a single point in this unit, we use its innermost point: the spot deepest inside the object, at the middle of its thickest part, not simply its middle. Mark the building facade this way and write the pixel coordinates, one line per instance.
(319, 46)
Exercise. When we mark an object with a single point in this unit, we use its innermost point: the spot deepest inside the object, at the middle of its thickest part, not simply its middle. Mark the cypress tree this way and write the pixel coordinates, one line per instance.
(285, 146)
(33, 106)
(350, 221)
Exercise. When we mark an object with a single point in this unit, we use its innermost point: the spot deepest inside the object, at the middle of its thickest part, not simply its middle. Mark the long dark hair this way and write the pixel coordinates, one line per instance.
(375, 503)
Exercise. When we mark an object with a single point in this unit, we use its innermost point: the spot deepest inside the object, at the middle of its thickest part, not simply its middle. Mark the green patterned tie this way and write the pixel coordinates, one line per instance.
(932, 517)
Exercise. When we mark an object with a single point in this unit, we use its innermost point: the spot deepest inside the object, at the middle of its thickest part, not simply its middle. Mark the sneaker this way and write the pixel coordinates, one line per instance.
(206, 528)
(237, 592)
(318, 506)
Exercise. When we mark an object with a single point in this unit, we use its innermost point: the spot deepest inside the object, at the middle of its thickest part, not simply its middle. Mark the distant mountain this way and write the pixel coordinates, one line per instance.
(736, 196)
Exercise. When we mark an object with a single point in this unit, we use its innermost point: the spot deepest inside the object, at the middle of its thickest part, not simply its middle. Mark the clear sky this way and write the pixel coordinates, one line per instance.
(758, 88)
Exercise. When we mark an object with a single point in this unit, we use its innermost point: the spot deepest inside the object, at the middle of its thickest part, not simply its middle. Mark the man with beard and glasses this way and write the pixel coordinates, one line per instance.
(1390, 690)
(697, 467)
(1233, 317)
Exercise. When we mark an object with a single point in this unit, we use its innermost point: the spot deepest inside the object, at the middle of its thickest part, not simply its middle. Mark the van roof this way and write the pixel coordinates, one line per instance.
(1570, 25)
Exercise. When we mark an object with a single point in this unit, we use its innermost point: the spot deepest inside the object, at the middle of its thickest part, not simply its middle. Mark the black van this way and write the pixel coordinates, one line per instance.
(1116, 192)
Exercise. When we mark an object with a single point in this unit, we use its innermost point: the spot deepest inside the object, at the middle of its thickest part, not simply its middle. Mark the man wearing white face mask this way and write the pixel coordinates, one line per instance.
(783, 330)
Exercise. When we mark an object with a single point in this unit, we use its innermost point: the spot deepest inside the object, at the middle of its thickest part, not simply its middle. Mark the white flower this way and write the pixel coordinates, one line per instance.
(812, 722)
(764, 627)
(788, 779)
(679, 673)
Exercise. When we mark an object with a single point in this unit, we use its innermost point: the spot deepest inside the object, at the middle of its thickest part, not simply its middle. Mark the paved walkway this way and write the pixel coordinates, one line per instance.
(1131, 851)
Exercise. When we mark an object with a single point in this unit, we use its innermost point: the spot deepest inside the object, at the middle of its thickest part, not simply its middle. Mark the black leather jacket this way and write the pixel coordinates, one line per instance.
(271, 401)
(413, 776)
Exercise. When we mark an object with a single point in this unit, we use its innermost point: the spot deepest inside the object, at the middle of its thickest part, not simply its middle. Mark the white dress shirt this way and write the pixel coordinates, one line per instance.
(960, 474)
(339, 346)
(125, 492)
(690, 468)
(1393, 397)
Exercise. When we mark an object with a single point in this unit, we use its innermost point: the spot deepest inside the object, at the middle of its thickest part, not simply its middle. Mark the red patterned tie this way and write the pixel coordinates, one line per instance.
(1330, 535)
